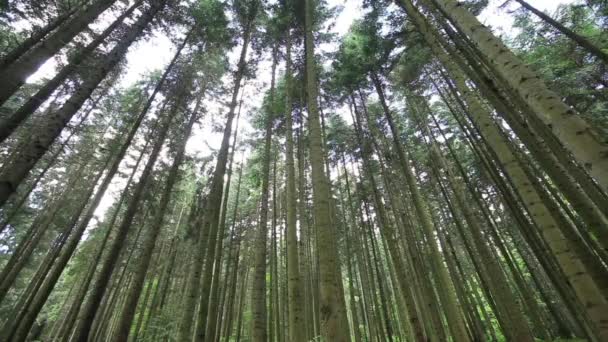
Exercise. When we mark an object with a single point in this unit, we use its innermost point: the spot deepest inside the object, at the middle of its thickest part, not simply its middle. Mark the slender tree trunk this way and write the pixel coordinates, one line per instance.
(213, 296)
(212, 216)
(231, 266)
(295, 302)
(229, 319)
(258, 285)
(38, 292)
(580, 40)
(195, 268)
(78, 231)
(447, 295)
(385, 228)
(36, 232)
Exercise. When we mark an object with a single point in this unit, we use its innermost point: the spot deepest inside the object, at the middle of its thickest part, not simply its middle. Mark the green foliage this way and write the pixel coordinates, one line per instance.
(211, 23)
(566, 67)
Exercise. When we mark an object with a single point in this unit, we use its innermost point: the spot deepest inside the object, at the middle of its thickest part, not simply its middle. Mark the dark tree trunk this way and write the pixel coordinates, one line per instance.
(14, 75)
(28, 155)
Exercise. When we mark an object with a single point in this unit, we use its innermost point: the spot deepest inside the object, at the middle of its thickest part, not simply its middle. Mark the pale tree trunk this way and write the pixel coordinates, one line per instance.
(568, 126)
(581, 197)
(334, 322)
(295, 302)
(526, 292)
(258, 285)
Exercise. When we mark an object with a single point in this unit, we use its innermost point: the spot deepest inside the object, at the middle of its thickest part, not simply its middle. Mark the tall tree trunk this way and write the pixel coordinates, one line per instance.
(231, 268)
(334, 322)
(295, 302)
(447, 294)
(497, 281)
(565, 177)
(37, 230)
(192, 283)
(79, 230)
(506, 301)
(258, 285)
(229, 319)
(68, 324)
(213, 296)
(576, 273)
(385, 228)
(31, 306)
(15, 208)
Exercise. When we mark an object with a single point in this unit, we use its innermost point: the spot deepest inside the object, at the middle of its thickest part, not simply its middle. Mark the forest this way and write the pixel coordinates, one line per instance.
(304, 170)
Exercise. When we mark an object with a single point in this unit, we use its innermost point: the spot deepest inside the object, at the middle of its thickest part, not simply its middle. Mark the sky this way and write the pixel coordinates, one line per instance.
(155, 53)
